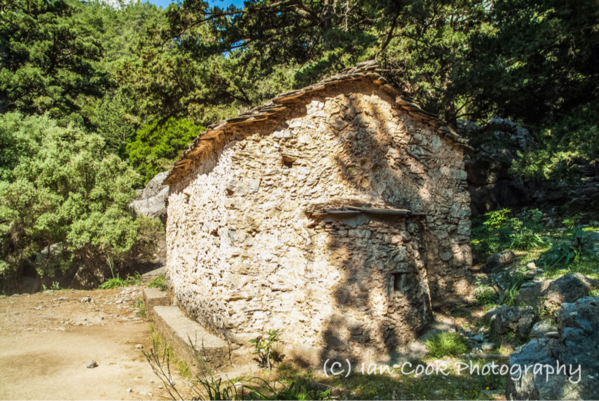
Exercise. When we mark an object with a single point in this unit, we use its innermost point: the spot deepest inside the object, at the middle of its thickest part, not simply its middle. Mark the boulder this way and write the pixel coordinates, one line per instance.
(153, 199)
(500, 259)
(517, 319)
(542, 328)
(567, 288)
(576, 348)
(531, 293)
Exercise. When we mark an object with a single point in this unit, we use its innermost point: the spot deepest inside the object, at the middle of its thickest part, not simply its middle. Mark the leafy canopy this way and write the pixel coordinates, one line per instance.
(49, 61)
(60, 186)
(157, 145)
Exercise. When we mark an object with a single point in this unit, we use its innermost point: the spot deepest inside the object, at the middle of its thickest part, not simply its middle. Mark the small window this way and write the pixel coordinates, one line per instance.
(400, 282)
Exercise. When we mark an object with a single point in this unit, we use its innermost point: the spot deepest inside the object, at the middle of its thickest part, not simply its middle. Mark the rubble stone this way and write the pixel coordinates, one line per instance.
(576, 351)
(517, 319)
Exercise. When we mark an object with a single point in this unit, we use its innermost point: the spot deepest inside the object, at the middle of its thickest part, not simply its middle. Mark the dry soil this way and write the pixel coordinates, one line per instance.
(47, 339)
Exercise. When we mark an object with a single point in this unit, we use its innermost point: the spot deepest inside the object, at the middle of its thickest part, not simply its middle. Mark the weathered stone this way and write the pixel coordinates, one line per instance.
(152, 200)
(500, 259)
(515, 319)
(567, 288)
(530, 293)
(338, 124)
(542, 328)
(573, 357)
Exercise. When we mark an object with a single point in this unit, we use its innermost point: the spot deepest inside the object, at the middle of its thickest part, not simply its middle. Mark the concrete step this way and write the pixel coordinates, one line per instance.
(152, 274)
(154, 297)
(181, 332)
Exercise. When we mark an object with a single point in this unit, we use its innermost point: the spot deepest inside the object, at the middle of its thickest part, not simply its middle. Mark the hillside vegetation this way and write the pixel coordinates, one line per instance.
(95, 101)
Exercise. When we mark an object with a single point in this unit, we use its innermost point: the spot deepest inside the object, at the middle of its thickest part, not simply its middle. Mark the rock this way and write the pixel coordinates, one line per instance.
(129, 390)
(576, 348)
(531, 266)
(542, 328)
(139, 346)
(86, 299)
(500, 259)
(568, 289)
(488, 346)
(338, 124)
(530, 293)
(479, 338)
(92, 364)
(518, 319)
(530, 275)
(153, 199)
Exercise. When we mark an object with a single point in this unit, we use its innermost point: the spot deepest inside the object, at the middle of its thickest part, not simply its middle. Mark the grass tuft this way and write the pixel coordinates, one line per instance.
(117, 282)
(447, 344)
(159, 282)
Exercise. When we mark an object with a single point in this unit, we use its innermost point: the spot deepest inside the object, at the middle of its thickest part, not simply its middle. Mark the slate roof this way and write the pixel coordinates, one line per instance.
(366, 71)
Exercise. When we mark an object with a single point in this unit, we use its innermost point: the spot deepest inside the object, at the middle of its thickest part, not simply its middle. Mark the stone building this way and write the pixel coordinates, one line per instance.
(335, 213)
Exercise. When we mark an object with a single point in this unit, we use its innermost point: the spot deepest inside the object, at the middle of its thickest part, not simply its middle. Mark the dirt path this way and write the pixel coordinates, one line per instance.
(47, 339)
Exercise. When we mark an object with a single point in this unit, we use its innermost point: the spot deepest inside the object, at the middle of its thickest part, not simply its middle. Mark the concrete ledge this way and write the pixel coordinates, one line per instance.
(151, 275)
(154, 297)
(177, 329)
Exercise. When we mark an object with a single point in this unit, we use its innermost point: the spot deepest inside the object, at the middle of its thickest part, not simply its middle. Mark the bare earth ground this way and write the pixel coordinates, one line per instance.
(47, 339)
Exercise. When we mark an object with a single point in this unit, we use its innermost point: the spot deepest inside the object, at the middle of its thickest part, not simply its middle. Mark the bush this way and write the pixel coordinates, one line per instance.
(447, 344)
(157, 145)
(62, 195)
(576, 245)
(485, 296)
(499, 232)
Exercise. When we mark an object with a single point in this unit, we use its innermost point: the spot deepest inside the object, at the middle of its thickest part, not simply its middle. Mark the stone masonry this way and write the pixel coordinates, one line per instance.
(334, 213)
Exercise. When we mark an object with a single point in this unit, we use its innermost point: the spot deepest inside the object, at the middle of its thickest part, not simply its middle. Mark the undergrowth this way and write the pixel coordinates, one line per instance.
(139, 303)
(160, 346)
(205, 386)
(117, 282)
(159, 282)
(447, 344)
(572, 248)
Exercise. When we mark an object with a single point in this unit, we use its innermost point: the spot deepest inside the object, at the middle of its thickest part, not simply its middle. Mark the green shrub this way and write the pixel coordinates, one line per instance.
(159, 282)
(499, 232)
(267, 349)
(486, 296)
(576, 245)
(63, 194)
(526, 240)
(157, 145)
(447, 344)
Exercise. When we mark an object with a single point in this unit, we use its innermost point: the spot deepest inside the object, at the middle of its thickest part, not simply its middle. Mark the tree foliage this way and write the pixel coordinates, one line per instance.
(61, 188)
(48, 59)
(157, 145)
(104, 92)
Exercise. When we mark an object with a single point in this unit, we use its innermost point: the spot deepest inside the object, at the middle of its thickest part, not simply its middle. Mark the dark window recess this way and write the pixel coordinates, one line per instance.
(400, 282)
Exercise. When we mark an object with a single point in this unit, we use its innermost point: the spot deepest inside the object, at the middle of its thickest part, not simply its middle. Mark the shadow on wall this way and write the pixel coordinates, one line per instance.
(386, 263)
(389, 267)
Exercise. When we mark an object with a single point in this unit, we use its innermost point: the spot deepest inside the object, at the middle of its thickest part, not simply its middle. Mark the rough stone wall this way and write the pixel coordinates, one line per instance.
(249, 247)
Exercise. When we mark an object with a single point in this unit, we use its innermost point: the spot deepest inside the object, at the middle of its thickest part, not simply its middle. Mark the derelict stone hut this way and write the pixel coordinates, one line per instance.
(335, 213)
